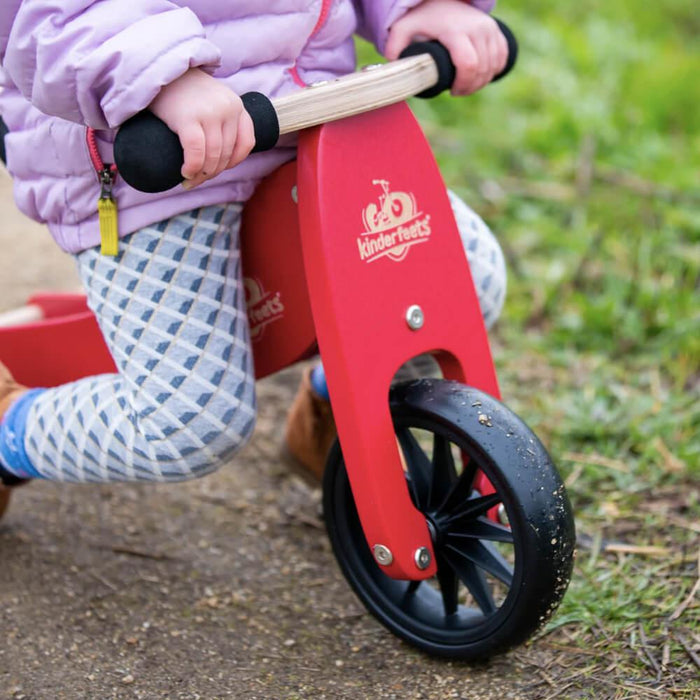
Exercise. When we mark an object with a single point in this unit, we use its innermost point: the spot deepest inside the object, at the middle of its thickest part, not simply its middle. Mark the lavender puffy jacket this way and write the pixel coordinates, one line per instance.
(70, 64)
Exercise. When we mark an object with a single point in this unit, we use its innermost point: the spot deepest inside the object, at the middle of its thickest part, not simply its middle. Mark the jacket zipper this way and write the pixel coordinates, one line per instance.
(325, 9)
(106, 206)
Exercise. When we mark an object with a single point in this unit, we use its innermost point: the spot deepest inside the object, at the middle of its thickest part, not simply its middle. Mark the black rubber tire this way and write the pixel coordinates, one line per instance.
(540, 533)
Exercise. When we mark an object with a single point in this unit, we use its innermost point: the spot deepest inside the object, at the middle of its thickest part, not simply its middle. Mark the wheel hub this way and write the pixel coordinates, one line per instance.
(436, 533)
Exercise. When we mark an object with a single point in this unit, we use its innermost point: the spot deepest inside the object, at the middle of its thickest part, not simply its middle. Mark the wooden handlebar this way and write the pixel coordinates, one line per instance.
(371, 88)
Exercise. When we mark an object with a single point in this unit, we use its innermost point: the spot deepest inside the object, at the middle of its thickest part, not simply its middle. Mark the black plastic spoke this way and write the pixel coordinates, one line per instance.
(413, 587)
(475, 581)
(409, 597)
(418, 465)
(484, 555)
(449, 585)
(483, 529)
(461, 489)
(444, 472)
(472, 508)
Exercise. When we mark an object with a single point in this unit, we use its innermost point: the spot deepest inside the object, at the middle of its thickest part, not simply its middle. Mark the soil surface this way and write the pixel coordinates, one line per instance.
(220, 588)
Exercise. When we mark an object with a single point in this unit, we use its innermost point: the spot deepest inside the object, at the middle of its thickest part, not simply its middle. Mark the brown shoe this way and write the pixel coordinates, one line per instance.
(310, 429)
(5, 493)
(9, 391)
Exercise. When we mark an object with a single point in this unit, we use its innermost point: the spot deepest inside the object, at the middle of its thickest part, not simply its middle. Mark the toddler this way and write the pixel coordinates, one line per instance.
(170, 302)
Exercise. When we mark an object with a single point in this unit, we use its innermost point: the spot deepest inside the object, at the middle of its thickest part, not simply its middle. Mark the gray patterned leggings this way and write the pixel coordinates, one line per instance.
(172, 310)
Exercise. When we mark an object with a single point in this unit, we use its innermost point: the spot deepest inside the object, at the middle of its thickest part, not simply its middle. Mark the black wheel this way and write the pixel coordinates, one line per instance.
(496, 584)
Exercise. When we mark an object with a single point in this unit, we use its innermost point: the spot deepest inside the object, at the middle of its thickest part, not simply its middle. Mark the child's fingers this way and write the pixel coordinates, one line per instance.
(491, 52)
(400, 36)
(492, 48)
(466, 60)
(245, 139)
(225, 147)
(214, 145)
(194, 148)
(229, 131)
(484, 72)
(498, 49)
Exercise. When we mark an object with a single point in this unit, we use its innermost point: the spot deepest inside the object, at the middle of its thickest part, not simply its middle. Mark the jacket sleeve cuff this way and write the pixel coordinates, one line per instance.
(483, 5)
(83, 68)
(376, 20)
(142, 71)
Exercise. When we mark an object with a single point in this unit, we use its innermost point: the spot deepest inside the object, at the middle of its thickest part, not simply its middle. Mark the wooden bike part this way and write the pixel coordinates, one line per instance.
(379, 237)
(373, 87)
(63, 343)
(279, 314)
(30, 313)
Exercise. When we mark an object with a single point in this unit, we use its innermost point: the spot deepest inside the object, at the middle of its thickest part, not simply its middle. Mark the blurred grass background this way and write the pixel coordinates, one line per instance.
(586, 164)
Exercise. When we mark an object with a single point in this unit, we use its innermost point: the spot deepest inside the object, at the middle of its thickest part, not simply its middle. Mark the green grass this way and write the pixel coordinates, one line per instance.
(586, 164)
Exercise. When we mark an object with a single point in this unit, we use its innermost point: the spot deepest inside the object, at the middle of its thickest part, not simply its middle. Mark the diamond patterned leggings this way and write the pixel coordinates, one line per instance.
(172, 310)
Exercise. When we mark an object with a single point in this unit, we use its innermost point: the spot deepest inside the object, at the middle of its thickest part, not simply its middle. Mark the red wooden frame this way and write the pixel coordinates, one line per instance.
(367, 262)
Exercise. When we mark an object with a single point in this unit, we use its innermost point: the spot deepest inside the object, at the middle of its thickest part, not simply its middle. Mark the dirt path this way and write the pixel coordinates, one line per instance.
(221, 588)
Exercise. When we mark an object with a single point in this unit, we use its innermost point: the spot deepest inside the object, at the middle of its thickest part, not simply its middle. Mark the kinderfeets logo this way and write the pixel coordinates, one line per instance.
(263, 307)
(392, 226)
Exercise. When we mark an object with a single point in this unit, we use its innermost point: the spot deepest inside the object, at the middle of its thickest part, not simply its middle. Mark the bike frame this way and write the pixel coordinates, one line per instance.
(314, 274)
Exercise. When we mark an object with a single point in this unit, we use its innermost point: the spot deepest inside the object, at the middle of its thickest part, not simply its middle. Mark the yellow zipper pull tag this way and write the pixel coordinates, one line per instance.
(107, 211)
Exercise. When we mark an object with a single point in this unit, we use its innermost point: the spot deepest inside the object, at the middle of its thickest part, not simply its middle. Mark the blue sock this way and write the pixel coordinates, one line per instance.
(318, 382)
(13, 427)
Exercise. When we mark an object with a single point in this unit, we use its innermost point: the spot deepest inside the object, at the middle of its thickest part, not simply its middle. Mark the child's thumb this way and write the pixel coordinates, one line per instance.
(399, 38)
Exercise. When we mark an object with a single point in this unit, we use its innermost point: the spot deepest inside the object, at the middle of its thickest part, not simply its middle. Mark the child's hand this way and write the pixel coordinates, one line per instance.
(215, 131)
(476, 44)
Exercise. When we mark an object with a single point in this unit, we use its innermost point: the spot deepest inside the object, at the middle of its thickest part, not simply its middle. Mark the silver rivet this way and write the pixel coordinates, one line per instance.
(415, 317)
(422, 558)
(383, 555)
(295, 195)
(502, 515)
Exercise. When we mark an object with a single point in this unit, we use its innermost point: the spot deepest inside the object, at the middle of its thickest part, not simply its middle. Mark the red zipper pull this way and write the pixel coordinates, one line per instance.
(106, 206)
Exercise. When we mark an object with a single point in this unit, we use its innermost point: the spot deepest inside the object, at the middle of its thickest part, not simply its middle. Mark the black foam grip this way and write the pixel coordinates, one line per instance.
(265, 121)
(443, 60)
(149, 156)
(512, 49)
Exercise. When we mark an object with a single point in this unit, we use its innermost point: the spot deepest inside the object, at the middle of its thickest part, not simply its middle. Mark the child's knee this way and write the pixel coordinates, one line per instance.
(210, 458)
(189, 450)
(486, 259)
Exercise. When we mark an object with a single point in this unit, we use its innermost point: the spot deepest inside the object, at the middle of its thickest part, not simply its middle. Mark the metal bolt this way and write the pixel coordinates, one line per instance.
(383, 555)
(295, 195)
(415, 317)
(422, 558)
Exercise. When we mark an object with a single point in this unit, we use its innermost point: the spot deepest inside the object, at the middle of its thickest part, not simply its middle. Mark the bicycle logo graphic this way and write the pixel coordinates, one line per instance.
(392, 226)
(263, 307)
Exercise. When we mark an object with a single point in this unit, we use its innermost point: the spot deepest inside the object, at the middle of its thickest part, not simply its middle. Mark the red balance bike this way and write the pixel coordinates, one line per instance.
(444, 510)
